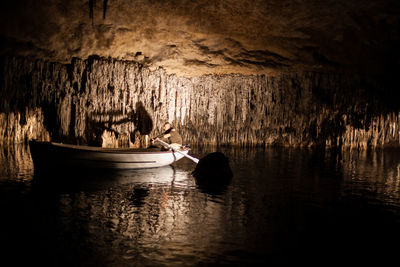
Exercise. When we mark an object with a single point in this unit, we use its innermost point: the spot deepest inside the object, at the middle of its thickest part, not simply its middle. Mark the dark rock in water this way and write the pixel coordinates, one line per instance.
(213, 173)
(214, 167)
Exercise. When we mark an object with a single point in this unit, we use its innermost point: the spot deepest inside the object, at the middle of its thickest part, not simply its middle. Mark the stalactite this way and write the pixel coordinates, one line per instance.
(104, 8)
(92, 4)
(118, 103)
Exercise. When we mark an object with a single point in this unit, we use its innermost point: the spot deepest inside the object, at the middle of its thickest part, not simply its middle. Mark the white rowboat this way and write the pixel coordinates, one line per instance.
(50, 154)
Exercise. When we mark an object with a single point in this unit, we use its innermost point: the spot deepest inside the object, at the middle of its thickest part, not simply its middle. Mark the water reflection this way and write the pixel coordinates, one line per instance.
(282, 207)
(94, 180)
(139, 195)
(137, 216)
(16, 163)
(375, 175)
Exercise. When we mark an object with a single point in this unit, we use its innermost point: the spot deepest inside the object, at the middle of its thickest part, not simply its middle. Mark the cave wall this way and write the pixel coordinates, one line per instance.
(109, 102)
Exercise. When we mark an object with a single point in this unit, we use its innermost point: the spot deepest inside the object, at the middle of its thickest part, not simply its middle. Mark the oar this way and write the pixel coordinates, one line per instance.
(170, 147)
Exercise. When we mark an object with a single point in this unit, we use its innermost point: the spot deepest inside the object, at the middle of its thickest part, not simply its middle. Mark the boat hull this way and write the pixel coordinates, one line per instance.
(55, 155)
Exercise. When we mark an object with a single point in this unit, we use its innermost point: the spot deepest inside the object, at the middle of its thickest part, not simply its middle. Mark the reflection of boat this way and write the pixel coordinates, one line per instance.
(72, 180)
(49, 154)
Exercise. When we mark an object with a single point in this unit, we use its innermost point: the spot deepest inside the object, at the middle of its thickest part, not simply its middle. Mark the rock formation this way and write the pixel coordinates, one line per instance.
(103, 101)
(260, 72)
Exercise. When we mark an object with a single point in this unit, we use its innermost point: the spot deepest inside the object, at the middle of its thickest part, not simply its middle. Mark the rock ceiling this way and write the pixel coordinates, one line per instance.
(190, 38)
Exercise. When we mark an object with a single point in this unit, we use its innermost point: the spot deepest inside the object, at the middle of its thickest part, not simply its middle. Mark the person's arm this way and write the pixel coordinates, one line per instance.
(163, 137)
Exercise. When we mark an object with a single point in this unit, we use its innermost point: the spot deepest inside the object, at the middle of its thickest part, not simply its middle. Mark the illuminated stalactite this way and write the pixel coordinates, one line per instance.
(104, 101)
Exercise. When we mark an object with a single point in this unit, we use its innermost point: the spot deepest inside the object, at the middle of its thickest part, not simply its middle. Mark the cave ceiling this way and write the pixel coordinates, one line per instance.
(191, 38)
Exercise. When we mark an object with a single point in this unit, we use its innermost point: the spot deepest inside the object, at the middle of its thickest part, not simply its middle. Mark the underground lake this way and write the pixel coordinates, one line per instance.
(282, 206)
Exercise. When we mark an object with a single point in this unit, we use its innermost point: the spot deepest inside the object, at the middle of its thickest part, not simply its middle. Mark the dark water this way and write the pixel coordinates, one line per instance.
(283, 207)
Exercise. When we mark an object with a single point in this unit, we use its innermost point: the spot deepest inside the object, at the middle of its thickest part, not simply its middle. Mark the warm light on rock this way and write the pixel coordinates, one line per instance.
(264, 72)
(119, 103)
(192, 38)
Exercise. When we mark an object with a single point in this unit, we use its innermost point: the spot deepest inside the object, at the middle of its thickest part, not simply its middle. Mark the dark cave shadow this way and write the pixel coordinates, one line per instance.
(139, 117)
(96, 127)
(142, 119)
(96, 123)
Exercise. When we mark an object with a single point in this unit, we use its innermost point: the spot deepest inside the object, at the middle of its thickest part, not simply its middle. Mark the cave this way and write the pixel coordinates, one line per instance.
(294, 102)
(252, 73)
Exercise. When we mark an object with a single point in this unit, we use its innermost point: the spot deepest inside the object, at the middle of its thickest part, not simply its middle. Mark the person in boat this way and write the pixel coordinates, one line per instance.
(170, 136)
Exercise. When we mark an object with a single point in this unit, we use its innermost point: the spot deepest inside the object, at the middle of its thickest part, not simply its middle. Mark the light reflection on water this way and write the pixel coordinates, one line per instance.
(16, 163)
(282, 207)
(375, 173)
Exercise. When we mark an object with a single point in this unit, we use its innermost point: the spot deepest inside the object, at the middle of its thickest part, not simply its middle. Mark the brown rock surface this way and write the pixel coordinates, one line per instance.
(192, 38)
(110, 102)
